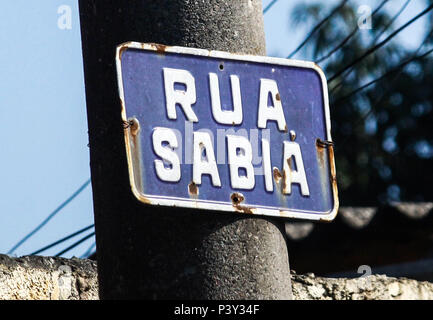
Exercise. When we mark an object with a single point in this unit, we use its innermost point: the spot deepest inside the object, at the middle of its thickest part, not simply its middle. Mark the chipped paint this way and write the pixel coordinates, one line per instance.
(287, 177)
(122, 49)
(237, 198)
(160, 48)
(277, 175)
(292, 135)
(333, 172)
(193, 189)
(134, 126)
(321, 148)
(279, 179)
(133, 149)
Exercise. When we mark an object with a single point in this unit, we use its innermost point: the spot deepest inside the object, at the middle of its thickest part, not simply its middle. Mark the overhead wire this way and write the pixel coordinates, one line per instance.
(348, 37)
(75, 244)
(396, 76)
(317, 27)
(386, 27)
(62, 240)
(50, 216)
(385, 75)
(269, 6)
(380, 44)
(89, 251)
(391, 22)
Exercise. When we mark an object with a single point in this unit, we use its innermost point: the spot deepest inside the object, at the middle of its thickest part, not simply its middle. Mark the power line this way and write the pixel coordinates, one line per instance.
(75, 244)
(352, 33)
(269, 6)
(316, 28)
(89, 251)
(62, 240)
(386, 93)
(380, 44)
(393, 19)
(413, 57)
(385, 75)
(50, 216)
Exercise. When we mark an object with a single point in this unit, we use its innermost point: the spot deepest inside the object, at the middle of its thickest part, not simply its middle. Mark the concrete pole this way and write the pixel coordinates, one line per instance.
(162, 253)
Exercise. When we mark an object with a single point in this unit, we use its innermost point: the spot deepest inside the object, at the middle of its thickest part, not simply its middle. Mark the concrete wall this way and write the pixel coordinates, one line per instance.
(374, 287)
(47, 278)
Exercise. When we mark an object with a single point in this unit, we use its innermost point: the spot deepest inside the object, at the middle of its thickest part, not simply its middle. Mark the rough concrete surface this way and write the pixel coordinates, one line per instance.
(373, 287)
(47, 278)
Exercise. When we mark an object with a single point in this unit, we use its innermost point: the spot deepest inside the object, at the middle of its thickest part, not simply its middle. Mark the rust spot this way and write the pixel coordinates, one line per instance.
(160, 48)
(277, 96)
(284, 184)
(289, 163)
(283, 213)
(292, 135)
(126, 124)
(193, 189)
(134, 126)
(144, 200)
(287, 177)
(122, 48)
(333, 171)
(285, 127)
(237, 199)
(324, 220)
(134, 159)
(277, 175)
(321, 147)
(323, 143)
(244, 209)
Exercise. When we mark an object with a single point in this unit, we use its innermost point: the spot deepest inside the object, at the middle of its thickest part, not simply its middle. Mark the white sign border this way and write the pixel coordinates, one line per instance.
(219, 205)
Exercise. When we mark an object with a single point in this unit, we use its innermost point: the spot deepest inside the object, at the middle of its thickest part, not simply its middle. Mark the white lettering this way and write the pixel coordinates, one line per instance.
(167, 153)
(240, 160)
(267, 170)
(292, 149)
(274, 113)
(226, 117)
(203, 144)
(185, 98)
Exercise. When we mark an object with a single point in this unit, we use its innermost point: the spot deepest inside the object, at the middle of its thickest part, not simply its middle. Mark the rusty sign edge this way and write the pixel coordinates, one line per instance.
(224, 206)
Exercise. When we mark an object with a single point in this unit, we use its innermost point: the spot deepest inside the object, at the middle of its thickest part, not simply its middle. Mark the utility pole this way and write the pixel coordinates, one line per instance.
(160, 252)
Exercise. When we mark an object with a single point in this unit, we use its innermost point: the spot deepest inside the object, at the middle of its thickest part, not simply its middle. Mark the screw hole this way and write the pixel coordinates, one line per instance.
(237, 198)
(221, 66)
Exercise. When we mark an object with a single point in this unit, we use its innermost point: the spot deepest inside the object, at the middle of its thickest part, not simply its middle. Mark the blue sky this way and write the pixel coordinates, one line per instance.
(44, 153)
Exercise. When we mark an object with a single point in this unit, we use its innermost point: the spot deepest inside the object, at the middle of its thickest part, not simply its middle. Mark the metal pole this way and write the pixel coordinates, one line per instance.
(157, 252)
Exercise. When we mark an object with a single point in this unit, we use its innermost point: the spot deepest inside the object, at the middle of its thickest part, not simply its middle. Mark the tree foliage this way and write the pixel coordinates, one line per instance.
(383, 134)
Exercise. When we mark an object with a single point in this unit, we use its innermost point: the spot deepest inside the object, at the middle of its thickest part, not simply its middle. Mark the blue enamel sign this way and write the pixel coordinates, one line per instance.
(217, 131)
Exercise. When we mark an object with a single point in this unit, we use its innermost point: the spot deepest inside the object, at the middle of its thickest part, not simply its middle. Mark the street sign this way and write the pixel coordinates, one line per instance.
(218, 131)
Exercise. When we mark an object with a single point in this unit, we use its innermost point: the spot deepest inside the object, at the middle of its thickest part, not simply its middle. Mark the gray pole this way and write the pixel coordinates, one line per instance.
(157, 252)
